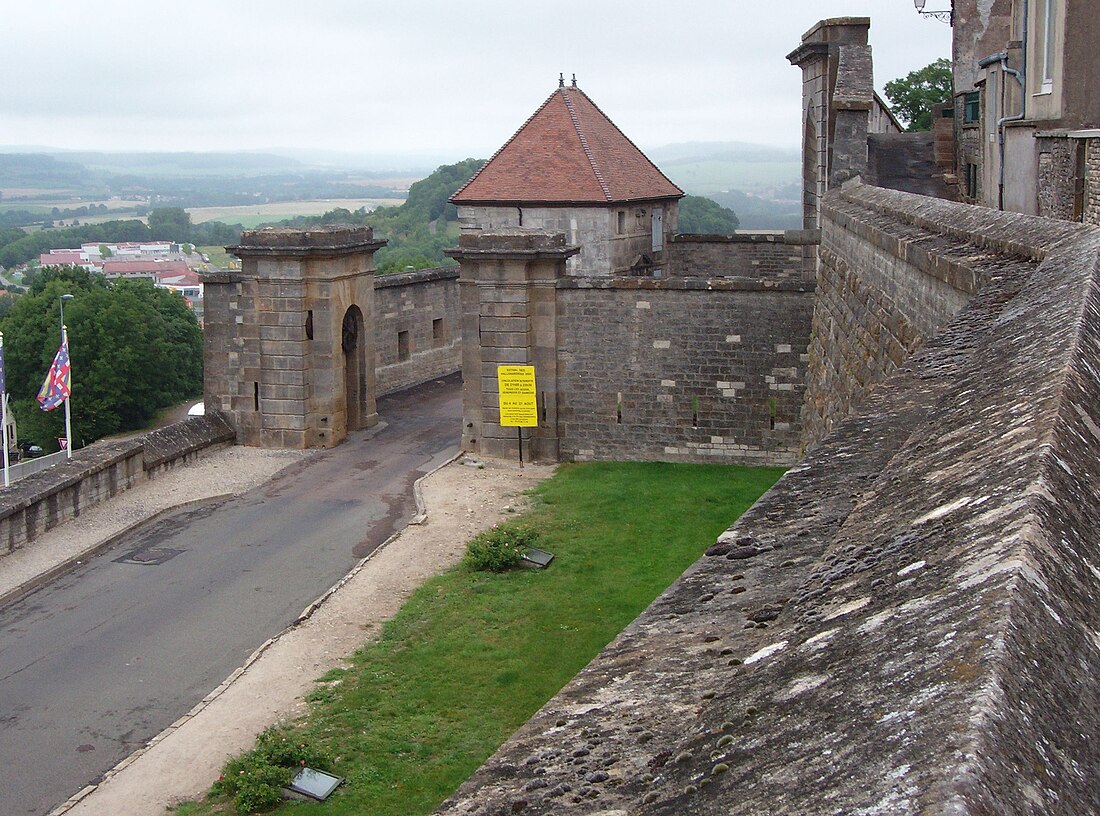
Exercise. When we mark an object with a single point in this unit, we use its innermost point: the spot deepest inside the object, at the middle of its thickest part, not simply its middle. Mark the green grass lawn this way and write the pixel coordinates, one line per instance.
(471, 656)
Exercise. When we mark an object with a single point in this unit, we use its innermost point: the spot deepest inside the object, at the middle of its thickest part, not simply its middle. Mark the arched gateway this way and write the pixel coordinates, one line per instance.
(287, 350)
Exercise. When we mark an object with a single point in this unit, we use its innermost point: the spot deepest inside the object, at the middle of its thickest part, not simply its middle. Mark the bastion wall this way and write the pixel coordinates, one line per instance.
(906, 622)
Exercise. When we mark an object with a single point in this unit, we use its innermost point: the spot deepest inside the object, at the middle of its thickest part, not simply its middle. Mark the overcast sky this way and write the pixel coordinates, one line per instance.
(449, 77)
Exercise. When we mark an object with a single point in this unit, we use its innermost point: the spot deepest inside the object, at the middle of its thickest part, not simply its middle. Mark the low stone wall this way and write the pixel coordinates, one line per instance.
(906, 622)
(683, 369)
(756, 255)
(40, 502)
(424, 305)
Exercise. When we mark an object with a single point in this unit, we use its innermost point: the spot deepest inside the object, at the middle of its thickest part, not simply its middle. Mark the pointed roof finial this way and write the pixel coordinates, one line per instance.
(574, 80)
(561, 80)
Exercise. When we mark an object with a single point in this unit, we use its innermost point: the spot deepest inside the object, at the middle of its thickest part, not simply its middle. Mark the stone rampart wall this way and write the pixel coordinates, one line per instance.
(683, 369)
(40, 502)
(906, 622)
(886, 284)
(425, 306)
(756, 255)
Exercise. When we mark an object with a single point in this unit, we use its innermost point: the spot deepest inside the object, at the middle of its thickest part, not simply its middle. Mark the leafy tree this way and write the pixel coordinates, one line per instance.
(170, 224)
(912, 97)
(702, 216)
(134, 348)
(104, 251)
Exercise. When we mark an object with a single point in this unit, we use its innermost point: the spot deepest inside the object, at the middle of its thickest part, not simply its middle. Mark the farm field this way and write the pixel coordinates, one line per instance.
(46, 202)
(255, 214)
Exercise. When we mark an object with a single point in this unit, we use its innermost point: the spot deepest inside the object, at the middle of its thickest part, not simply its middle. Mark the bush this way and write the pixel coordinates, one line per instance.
(253, 779)
(500, 548)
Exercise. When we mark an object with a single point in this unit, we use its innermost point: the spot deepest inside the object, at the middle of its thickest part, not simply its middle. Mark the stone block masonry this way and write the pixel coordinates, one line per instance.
(291, 359)
(682, 370)
(417, 325)
(755, 255)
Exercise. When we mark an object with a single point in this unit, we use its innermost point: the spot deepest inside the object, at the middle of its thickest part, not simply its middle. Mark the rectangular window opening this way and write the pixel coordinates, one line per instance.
(438, 334)
(695, 412)
(402, 345)
(619, 410)
(621, 222)
(256, 396)
(971, 180)
(972, 109)
(543, 406)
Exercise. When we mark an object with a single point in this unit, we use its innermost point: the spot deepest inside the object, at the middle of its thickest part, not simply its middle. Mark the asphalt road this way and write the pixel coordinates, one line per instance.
(105, 657)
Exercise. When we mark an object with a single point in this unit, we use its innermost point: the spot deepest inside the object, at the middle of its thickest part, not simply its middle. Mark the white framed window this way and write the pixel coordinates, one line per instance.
(1048, 46)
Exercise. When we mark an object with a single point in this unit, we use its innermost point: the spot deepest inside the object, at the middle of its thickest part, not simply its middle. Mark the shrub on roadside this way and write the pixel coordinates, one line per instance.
(253, 779)
(499, 548)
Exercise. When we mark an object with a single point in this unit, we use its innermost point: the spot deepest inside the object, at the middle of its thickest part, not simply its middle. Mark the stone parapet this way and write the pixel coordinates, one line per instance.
(40, 502)
(764, 255)
(896, 268)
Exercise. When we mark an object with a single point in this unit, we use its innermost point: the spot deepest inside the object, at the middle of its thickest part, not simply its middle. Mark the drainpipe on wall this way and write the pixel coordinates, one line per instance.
(1002, 58)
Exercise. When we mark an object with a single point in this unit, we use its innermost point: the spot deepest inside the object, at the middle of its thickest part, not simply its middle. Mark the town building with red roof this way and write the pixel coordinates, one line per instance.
(569, 169)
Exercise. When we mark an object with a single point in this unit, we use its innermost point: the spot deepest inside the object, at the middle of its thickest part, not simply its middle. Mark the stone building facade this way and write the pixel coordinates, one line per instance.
(1026, 116)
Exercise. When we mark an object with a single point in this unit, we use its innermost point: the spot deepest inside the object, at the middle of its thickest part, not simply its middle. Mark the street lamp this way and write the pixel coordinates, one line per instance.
(943, 16)
(61, 300)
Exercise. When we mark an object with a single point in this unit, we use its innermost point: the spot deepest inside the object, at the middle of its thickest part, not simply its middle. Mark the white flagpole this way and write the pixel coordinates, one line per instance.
(4, 421)
(68, 414)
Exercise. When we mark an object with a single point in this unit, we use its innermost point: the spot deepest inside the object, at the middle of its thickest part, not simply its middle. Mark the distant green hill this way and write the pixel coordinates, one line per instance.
(703, 168)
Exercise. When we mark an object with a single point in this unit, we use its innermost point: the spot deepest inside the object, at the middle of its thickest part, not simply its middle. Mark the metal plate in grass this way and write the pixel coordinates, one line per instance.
(314, 784)
(536, 558)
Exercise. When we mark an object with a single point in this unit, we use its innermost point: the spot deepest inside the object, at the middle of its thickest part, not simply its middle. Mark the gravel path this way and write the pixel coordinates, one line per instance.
(184, 760)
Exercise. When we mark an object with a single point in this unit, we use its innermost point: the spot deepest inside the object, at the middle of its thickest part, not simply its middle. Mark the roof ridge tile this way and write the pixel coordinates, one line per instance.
(584, 143)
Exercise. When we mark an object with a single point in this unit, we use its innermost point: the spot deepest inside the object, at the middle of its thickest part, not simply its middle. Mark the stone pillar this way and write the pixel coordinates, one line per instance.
(508, 287)
(837, 96)
(289, 353)
(837, 93)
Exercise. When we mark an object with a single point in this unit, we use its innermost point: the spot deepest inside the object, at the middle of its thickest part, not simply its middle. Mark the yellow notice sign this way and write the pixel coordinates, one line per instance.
(518, 403)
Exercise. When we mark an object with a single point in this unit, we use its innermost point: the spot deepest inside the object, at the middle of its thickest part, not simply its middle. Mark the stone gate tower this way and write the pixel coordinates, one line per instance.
(288, 350)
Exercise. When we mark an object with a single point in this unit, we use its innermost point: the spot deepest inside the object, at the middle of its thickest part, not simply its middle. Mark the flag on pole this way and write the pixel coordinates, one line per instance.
(55, 390)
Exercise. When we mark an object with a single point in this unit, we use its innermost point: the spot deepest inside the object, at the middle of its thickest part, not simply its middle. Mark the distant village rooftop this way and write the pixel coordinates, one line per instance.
(568, 152)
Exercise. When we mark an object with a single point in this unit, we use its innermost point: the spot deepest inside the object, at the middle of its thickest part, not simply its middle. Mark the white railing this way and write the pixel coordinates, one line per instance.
(21, 470)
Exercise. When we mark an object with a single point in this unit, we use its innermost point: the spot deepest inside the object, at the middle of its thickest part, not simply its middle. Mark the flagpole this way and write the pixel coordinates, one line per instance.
(4, 415)
(68, 413)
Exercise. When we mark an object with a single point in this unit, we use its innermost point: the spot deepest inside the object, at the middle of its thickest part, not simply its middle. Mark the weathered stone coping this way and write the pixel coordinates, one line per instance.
(906, 623)
(789, 237)
(723, 284)
(436, 273)
(322, 240)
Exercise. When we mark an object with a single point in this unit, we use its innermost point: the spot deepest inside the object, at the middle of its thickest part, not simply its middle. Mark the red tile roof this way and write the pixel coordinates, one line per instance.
(60, 257)
(143, 267)
(568, 152)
